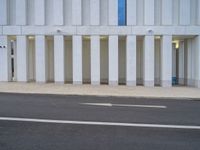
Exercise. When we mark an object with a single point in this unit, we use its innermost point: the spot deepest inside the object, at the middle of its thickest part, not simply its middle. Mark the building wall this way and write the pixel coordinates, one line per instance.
(152, 22)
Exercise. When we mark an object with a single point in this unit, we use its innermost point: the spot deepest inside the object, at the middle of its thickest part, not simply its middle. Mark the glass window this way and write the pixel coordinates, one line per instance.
(121, 12)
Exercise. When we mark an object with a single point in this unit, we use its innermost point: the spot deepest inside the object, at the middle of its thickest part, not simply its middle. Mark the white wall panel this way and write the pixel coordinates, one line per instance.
(131, 12)
(30, 12)
(113, 12)
(167, 11)
(77, 12)
(86, 12)
(184, 14)
(21, 12)
(104, 12)
(94, 12)
(58, 12)
(4, 12)
(39, 12)
(68, 12)
(149, 12)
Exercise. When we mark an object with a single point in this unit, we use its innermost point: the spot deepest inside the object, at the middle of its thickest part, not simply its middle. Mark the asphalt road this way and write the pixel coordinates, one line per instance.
(23, 135)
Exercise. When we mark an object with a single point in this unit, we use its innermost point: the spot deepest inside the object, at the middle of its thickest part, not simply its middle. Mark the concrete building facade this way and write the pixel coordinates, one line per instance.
(83, 41)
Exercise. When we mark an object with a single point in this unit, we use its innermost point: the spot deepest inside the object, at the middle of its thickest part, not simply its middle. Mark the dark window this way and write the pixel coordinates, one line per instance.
(121, 12)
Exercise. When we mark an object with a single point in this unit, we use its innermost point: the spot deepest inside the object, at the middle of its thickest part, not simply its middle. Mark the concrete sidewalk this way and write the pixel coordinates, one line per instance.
(102, 90)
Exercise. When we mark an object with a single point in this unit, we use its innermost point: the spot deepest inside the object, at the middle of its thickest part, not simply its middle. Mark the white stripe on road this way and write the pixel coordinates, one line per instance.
(123, 105)
(100, 123)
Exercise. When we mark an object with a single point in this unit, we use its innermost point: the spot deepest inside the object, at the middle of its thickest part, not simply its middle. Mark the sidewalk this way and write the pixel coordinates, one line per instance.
(102, 90)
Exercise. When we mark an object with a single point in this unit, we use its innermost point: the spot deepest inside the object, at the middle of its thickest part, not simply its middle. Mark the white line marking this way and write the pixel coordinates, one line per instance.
(124, 105)
(100, 123)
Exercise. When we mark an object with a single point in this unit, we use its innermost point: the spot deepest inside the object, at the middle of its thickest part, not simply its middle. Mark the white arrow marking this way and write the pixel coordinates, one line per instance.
(124, 105)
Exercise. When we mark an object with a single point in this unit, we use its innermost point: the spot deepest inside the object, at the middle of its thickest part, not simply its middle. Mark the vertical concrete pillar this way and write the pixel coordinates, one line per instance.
(58, 12)
(95, 60)
(149, 61)
(40, 60)
(77, 59)
(59, 59)
(184, 12)
(131, 60)
(113, 60)
(94, 12)
(198, 12)
(131, 12)
(39, 12)
(174, 68)
(197, 82)
(189, 63)
(166, 61)
(149, 12)
(167, 11)
(22, 59)
(181, 63)
(5, 59)
(113, 12)
(21, 12)
(76, 12)
(4, 12)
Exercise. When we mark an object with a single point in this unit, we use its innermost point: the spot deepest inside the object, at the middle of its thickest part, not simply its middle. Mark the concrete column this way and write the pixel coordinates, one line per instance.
(113, 60)
(181, 63)
(94, 12)
(4, 12)
(131, 12)
(59, 59)
(198, 12)
(58, 12)
(77, 59)
(76, 12)
(95, 60)
(5, 59)
(166, 61)
(184, 14)
(167, 11)
(174, 60)
(149, 61)
(149, 12)
(198, 62)
(189, 63)
(39, 12)
(40, 60)
(22, 59)
(113, 12)
(21, 12)
(131, 60)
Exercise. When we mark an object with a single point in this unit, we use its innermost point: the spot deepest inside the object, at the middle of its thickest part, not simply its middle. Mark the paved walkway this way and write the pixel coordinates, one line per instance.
(102, 90)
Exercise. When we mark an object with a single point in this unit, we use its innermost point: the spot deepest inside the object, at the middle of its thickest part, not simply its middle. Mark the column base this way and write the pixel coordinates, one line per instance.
(41, 82)
(95, 82)
(197, 83)
(190, 82)
(131, 83)
(149, 83)
(165, 83)
(113, 83)
(181, 81)
(59, 82)
(77, 82)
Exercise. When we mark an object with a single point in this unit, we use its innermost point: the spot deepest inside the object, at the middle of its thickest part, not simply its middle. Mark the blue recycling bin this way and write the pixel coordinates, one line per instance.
(174, 81)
